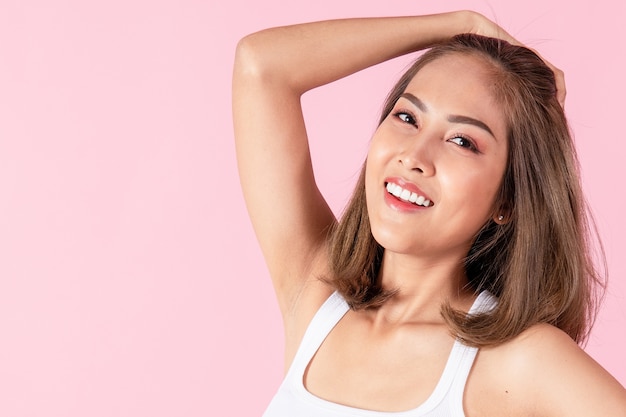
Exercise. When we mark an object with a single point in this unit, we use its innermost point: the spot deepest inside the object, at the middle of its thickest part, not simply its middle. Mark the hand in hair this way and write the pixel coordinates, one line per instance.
(483, 26)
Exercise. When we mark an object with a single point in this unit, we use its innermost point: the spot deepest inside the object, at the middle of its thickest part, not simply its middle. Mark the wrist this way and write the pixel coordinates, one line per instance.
(444, 26)
(466, 21)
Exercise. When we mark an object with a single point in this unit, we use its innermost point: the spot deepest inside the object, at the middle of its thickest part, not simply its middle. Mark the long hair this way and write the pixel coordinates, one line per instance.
(540, 263)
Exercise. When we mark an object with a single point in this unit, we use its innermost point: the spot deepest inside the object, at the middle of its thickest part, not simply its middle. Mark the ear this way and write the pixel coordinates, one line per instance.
(501, 213)
(502, 216)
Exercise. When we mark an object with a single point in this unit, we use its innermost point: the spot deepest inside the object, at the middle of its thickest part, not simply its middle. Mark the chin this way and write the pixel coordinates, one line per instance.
(396, 242)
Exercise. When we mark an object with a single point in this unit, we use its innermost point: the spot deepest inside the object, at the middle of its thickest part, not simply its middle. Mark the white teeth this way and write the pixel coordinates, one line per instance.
(406, 195)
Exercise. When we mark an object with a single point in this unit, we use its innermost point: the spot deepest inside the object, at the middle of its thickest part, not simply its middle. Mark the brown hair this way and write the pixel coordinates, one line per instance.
(539, 263)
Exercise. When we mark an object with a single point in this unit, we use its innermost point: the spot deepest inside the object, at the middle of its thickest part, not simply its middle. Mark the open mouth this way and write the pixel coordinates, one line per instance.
(407, 195)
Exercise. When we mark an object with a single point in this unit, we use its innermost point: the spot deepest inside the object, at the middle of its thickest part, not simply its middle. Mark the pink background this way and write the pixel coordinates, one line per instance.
(130, 281)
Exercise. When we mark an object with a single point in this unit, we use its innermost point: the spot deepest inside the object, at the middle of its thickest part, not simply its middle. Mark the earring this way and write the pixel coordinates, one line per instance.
(500, 217)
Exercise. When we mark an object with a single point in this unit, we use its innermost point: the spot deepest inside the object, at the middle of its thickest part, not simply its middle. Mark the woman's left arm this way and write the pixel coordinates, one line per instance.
(566, 381)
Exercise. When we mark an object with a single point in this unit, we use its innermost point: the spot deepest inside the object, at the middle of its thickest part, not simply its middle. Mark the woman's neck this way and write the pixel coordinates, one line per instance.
(422, 286)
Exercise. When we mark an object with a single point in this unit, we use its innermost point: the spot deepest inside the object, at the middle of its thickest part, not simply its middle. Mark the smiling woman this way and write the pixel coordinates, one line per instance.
(457, 165)
(460, 269)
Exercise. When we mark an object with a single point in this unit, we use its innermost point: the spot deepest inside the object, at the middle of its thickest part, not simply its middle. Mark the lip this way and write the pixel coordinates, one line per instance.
(401, 205)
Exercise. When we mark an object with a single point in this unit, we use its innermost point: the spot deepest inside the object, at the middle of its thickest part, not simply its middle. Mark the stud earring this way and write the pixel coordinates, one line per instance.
(500, 217)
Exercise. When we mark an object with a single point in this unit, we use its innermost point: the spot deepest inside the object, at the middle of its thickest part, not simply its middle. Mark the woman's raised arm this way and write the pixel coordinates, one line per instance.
(273, 68)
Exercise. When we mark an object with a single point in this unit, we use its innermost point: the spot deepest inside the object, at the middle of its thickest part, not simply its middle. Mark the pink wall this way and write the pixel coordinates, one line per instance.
(130, 280)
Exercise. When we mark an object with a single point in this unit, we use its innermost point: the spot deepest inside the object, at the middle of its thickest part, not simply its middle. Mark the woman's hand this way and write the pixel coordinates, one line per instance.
(480, 25)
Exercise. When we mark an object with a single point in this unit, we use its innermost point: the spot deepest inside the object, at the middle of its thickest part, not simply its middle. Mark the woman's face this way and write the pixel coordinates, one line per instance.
(436, 162)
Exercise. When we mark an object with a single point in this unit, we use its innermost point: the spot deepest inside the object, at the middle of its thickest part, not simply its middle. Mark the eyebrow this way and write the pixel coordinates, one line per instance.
(453, 118)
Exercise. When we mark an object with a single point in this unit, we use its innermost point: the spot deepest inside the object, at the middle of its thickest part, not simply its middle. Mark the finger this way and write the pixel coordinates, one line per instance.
(561, 90)
(559, 80)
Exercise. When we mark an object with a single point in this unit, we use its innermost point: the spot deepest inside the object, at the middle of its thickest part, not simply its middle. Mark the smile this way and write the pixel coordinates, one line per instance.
(407, 195)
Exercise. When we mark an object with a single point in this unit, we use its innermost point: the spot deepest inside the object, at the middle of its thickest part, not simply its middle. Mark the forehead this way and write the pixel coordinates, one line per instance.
(461, 84)
(458, 67)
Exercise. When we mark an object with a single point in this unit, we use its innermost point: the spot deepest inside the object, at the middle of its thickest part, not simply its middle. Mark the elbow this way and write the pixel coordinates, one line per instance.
(250, 58)
(262, 58)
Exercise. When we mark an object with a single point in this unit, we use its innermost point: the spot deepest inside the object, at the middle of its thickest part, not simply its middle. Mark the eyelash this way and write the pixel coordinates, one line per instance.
(398, 114)
(412, 121)
(471, 146)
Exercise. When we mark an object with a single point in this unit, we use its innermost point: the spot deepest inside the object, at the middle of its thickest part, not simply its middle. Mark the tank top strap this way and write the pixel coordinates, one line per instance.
(462, 359)
(324, 320)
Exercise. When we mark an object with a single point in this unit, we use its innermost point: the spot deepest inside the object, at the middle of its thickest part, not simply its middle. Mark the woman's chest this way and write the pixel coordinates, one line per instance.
(390, 371)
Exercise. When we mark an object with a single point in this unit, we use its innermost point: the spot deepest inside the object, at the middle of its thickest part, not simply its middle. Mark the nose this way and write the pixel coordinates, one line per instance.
(419, 154)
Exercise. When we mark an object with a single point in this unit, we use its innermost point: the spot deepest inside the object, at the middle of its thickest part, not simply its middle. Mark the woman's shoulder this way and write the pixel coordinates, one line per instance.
(543, 372)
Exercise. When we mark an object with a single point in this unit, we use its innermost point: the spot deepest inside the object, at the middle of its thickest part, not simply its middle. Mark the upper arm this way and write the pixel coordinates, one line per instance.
(574, 384)
(564, 380)
(289, 214)
(541, 373)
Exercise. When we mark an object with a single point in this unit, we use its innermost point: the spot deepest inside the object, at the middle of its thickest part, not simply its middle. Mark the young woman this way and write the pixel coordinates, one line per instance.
(459, 280)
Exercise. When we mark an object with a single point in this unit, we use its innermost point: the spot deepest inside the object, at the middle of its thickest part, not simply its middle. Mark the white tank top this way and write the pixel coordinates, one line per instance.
(293, 399)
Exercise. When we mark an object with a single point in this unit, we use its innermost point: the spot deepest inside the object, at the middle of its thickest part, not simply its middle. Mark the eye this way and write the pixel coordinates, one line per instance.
(464, 142)
(406, 117)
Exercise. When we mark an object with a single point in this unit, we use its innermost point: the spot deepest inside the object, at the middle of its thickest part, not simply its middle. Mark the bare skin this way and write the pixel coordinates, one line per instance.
(542, 372)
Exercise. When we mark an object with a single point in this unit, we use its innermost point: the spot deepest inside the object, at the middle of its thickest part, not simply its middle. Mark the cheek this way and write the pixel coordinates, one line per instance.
(384, 141)
(369, 180)
(474, 188)
(376, 148)
(377, 157)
